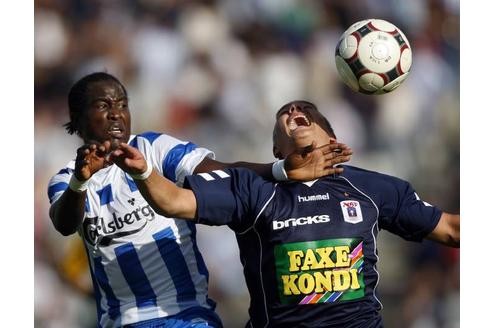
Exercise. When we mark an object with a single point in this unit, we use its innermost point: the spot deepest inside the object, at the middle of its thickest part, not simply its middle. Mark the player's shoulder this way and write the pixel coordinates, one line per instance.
(241, 175)
(67, 170)
(153, 138)
(361, 175)
(235, 172)
(150, 136)
(245, 172)
(350, 170)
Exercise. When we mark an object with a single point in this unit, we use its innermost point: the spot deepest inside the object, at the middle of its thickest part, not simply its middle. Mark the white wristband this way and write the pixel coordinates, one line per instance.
(76, 185)
(278, 171)
(145, 174)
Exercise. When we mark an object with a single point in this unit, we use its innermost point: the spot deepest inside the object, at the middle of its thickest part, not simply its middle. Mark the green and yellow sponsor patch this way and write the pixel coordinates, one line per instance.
(320, 271)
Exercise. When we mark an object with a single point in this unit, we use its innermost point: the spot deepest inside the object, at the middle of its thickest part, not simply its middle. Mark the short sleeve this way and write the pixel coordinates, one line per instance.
(59, 183)
(233, 197)
(172, 157)
(403, 213)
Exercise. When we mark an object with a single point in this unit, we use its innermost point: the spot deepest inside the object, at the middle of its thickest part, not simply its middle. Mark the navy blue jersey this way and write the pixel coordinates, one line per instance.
(309, 249)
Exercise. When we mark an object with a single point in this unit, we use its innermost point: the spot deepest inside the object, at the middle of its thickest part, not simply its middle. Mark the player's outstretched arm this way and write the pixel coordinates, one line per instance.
(302, 165)
(163, 195)
(447, 231)
(67, 212)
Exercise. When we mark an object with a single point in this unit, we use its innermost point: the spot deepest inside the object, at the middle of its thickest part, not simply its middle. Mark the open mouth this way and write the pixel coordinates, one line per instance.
(297, 121)
(116, 131)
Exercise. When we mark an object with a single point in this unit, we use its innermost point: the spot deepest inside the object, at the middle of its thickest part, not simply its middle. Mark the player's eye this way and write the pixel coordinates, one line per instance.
(101, 105)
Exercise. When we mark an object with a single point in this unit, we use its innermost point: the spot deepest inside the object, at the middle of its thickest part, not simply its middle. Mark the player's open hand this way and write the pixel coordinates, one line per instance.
(129, 159)
(310, 163)
(91, 157)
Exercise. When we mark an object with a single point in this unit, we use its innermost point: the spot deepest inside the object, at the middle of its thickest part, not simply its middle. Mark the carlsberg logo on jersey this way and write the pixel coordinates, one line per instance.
(320, 271)
(102, 231)
(293, 222)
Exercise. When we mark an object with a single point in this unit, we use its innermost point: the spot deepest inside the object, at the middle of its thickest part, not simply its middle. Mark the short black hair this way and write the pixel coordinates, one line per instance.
(77, 98)
(327, 127)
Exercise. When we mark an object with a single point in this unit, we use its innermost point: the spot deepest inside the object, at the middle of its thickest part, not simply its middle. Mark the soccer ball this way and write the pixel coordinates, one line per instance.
(373, 56)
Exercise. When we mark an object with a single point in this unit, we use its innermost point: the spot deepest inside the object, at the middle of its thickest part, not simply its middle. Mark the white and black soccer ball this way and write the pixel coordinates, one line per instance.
(373, 56)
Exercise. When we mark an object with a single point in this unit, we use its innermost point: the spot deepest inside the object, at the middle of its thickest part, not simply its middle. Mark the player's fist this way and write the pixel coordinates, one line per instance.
(91, 157)
(129, 159)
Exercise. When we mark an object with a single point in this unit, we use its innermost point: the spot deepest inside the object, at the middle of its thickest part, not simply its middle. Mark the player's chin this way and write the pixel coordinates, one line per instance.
(300, 137)
(115, 143)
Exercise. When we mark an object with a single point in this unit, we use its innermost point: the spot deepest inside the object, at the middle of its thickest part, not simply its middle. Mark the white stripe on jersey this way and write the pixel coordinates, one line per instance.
(150, 245)
(221, 174)
(206, 176)
(209, 177)
(424, 203)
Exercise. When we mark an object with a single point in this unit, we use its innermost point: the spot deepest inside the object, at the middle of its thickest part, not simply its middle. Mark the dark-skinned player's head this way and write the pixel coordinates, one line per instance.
(98, 108)
(298, 124)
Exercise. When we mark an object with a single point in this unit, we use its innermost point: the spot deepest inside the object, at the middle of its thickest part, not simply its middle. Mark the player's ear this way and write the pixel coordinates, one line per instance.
(276, 151)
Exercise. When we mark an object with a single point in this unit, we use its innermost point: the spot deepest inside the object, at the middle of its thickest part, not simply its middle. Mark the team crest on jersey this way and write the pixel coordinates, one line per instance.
(351, 211)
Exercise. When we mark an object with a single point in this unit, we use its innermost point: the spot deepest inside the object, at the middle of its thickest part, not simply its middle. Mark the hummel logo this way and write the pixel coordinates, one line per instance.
(131, 201)
(313, 198)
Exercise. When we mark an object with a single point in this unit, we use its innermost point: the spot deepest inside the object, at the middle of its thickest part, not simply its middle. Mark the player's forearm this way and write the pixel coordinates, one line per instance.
(447, 231)
(67, 212)
(166, 198)
(454, 236)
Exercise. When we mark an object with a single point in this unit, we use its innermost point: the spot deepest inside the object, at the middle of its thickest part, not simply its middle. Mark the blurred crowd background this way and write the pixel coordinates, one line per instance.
(215, 72)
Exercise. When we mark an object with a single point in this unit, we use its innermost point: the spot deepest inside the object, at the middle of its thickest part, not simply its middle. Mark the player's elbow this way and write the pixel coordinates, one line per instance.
(161, 210)
(66, 232)
(174, 211)
(181, 205)
(166, 207)
(63, 229)
(59, 223)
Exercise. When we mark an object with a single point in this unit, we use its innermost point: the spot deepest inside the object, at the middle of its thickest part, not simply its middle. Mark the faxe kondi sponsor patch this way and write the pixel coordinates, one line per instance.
(320, 271)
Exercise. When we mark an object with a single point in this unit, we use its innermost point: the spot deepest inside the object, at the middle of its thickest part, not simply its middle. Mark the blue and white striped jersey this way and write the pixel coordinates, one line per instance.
(143, 265)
